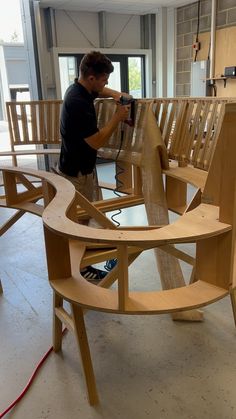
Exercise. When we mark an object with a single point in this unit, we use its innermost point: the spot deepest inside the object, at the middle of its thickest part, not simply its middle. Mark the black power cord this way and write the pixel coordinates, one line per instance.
(124, 100)
(119, 172)
(198, 24)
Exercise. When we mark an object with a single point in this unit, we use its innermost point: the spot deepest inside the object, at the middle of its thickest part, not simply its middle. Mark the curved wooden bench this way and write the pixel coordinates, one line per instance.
(37, 123)
(66, 242)
(211, 225)
(189, 128)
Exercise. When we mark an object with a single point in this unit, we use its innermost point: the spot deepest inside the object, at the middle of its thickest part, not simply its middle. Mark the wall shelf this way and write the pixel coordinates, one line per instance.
(224, 78)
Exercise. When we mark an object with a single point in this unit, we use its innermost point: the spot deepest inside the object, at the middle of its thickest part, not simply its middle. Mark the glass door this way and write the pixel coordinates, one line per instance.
(131, 71)
(128, 75)
(68, 72)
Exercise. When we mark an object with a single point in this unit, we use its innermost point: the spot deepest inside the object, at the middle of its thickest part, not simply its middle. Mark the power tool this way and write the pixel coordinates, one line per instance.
(125, 100)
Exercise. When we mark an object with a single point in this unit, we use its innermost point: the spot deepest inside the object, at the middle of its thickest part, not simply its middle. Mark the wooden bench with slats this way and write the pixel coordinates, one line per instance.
(35, 125)
(189, 128)
(196, 125)
(211, 226)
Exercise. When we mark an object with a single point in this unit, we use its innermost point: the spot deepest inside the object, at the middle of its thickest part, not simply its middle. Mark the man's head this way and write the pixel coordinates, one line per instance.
(95, 69)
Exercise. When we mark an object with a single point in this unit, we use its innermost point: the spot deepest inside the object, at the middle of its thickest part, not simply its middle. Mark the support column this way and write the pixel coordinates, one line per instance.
(102, 30)
(148, 41)
(165, 52)
(27, 11)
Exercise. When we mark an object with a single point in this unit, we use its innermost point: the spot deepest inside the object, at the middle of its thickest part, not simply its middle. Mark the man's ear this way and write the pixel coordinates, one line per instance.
(91, 78)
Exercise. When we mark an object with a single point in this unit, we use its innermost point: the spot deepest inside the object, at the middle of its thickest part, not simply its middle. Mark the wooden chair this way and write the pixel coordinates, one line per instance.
(164, 129)
(211, 225)
(33, 123)
(34, 130)
(189, 128)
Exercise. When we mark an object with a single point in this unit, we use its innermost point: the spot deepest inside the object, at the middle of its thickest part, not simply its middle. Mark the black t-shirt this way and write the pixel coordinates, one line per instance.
(78, 121)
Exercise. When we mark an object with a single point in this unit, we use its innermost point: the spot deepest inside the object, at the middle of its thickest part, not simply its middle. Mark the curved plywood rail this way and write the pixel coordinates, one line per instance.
(77, 290)
(199, 224)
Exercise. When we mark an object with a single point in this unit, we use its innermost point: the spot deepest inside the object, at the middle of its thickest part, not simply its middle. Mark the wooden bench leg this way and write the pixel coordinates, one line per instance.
(82, 341)
(233, 302)
(196, 200)
(57, 323)
(176, 194)
(11, 221)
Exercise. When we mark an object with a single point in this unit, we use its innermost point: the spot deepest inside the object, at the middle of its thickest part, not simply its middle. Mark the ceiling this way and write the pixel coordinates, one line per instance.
(136, 7)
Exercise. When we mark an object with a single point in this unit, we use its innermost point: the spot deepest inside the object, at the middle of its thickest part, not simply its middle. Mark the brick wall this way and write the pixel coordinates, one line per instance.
(186, 29)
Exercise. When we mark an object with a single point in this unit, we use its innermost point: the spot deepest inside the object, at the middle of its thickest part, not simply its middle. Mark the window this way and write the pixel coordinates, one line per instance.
(128, 75)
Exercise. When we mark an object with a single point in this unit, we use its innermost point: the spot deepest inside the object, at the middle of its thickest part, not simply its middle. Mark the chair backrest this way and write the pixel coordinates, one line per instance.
(190, 128)
(34, 122)
(126, 140)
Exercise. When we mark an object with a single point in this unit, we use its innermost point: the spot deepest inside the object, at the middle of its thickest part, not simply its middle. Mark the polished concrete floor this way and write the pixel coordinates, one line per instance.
(145, 366)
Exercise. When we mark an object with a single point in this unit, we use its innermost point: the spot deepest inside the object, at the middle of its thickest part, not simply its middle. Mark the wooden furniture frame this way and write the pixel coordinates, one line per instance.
(33, 123)
(189, 127)
(211, 225)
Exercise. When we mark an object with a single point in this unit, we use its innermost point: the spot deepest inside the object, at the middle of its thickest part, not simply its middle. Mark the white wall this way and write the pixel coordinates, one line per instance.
(14, 70)
(123, 31)
(16, 64)
(81, 30)
(78, 32)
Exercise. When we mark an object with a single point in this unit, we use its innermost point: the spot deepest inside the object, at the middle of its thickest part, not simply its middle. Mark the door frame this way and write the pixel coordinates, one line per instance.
(134, 52)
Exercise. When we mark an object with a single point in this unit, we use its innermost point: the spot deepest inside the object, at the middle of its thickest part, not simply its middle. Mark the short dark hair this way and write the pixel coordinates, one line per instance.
(95, 63)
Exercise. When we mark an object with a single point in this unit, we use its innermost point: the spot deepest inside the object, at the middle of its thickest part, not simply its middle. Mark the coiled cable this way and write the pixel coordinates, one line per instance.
(119, 172)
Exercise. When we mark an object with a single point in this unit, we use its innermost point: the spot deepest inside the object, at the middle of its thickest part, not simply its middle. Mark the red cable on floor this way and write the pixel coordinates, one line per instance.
(29, 382)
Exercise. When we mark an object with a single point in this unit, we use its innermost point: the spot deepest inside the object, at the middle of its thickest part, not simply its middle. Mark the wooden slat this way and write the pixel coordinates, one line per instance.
(199, 136)
(24, 124)
(174, 150)
(49, 123)
(168, 132)
(34, 124)
(15, 125)
(56, 128)
(42, 129)
(162, 122)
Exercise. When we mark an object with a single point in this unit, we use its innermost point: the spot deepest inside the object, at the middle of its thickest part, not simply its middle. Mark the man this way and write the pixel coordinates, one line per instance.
(80, 136)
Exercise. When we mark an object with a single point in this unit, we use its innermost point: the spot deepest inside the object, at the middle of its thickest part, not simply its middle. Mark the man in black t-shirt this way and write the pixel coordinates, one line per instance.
(80, 136)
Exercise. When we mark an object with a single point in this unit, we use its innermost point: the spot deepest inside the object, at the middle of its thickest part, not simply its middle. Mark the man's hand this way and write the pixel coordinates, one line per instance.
(122, 112)
(98, 140)
(125, 97)
(107, 92)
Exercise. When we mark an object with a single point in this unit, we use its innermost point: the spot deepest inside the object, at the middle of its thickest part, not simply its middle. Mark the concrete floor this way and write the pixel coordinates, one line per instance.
(145, 366)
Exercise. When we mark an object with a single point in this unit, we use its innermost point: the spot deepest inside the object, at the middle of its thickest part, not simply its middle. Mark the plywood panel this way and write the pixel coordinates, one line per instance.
(225, 57)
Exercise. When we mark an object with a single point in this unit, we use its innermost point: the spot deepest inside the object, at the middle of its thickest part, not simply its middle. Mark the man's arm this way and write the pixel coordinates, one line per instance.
(99, 139)
(107, 92)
